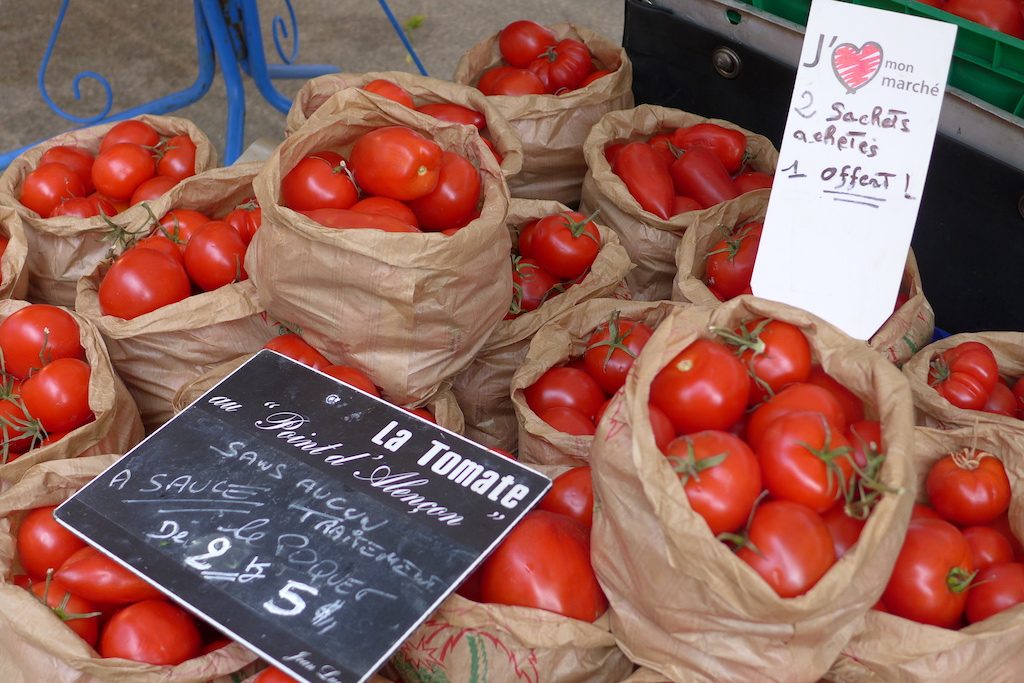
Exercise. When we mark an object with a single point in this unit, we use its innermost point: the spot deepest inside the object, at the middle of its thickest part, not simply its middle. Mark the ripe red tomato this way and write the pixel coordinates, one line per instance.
(453, 200)
(58, 395)
(1000, 15)
(274, 675)
(35, 335)
(544, 563)
(965, 375)
(94, 576)
(794, 547)
(421, 412)
(565, 387)
(47, 186)
(19, 431)
(996, 588)
(572, 494)
(664, 430)
(77, 207)
(845, 530)
(396, 162)
(178, 160)
(730, 146)
(384, 206)
(141, 281)
(775, 353)
(968, 487)
(640, 169)
(1018, 393)
(158, 242)
(454, 113)
(684, 204)
(318, 181)
(136, 132)
(77, 159)
(563, 66)
(865, 438)
(805, 460)
(752, 180)
(594, 75)
(352, 376)
(611, 350)
(151, 631)
(988, 546)
(704, 387)
(120, 169)
(853, 407)
(77, 613)
(43, 543)
(178, 225)
(391, 91)
(800, 397)
(349, 219)
(1001, 401)
(523, 41)
(531, 286)
(565, 244)
(720, 475)
(108, 206)
(922, 511)
(506, 80)
(699, 173)
(730, 262)
(568, 421)
(154, 188)
(296, 348)
(215, 256)
(932, 573)
(246, 219)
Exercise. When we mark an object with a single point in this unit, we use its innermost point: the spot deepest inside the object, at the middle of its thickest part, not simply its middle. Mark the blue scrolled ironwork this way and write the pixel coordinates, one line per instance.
(400, 30)
(279, 26)
(76, 83)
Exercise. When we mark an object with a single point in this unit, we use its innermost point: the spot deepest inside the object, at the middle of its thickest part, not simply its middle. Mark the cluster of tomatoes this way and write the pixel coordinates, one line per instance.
(134, 164)
(408, 184)
(45, 390)
(1006, 16)
(109, 607)
(957, 560)
(687, 169)
(555, 252)
(967, 376)
(773, 453)
(537, 63)
(572, 397)
(184, 248)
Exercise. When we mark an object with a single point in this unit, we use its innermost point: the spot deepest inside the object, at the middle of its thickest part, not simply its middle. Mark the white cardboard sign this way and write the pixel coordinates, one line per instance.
(853, 163)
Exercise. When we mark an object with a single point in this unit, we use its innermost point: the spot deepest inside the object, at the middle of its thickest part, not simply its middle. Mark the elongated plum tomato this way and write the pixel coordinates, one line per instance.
(454, 113)
(141, 281)
(396, 162)
(298, 349)
(33, 336)
(384, 206)
(94, 576)
(352, 376)
(391, 91)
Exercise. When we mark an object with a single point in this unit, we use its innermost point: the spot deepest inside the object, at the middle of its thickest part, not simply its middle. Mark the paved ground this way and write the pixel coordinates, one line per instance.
(146, 48)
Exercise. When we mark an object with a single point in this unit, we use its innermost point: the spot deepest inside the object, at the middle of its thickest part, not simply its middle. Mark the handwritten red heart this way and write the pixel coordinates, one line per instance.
(856, 67)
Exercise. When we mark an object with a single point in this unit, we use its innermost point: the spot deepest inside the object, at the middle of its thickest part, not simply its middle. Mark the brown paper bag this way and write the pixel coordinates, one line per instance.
(556, 342)
(483, 387)
(117, 426)
(682, 603)
(410, 310)
(424, 90)
(156, 353)
(553, 127)
(932, 410)
(64, 249)
(35, 645)
(908, 329)
(650, 240)
(469, 642)
(890, 648)
(13, 269)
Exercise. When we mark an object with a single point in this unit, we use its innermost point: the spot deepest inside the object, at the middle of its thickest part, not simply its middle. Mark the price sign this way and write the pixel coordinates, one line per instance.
(314, 523)
(853, 163)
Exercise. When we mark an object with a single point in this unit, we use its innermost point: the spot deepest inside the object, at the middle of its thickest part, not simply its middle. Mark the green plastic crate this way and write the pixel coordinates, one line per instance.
(986, 63)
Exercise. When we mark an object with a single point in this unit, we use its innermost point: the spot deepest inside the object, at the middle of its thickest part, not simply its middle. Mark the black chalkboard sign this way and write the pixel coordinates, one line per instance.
(316, 524)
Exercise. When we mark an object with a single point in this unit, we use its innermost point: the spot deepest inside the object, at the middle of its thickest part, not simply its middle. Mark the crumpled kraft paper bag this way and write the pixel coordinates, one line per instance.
(556, 342)
(117, 426)
(64, 249)
(907, 330)
(424, 90)
(933, 410)
(470, 642)
(410, 310)
(35, 646)
(442, 405)
(898, 650)
(681, 602)
(156, 353)
(13, 269)
(651, 240)
(553, 127)
(483, 387)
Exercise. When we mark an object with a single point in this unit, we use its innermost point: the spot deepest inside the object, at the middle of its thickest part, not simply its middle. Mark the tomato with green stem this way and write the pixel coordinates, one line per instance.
(968, 487)
(177, 158)
(932, 574)
(396, 162)
(730, 262)
(612, 348)
(566, 244)
(775, 353)
(799, 397)
(20, 431)
(704, 387)
(58, 395)
(965, 374)
(246, 219)
(531, 286)
(37, 334)
(563, 66)
(178, 225)
(77, 613)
